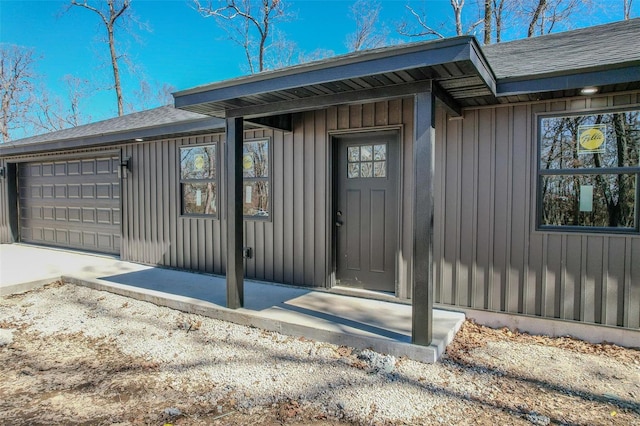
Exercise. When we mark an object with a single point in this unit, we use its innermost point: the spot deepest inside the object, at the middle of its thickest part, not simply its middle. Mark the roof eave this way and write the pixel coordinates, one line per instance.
(92, 141)
(571, 79)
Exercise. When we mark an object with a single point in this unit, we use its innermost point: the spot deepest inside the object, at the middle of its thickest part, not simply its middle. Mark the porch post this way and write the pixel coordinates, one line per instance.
(423, 160)
(235, 262)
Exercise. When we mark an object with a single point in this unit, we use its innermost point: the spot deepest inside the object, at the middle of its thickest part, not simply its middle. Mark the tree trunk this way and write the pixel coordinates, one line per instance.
(487, 22)
(457, 6)
(542, 5)
(116, 71)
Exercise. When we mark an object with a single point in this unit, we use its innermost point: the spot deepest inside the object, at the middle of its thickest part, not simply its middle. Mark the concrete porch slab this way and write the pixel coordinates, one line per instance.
(318, 315)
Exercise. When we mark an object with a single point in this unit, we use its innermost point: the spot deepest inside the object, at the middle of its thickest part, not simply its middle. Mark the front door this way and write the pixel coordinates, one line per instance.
(366, 214)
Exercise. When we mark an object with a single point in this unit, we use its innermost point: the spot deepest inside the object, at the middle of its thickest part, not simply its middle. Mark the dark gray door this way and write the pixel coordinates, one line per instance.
(71, 203)
(366, 211)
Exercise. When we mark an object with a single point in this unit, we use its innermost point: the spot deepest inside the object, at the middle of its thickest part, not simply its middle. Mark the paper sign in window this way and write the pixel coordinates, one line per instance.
(198, 198)
(247, 194)
(586, 198)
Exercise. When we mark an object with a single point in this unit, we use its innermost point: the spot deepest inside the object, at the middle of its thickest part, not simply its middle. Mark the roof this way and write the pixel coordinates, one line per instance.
(456, 66)
(153, 123)
(603, 55)
(461, 72)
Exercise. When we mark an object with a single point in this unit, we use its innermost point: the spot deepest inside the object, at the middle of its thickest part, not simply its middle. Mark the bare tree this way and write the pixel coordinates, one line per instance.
(423, 29)
(17, 76)
(544, 16)
(418, 29)
(241, 18)
(55, 113)
(151, 95)
(368, 34)
(627, 9)
(488, 17)
(498, 11)
(110, 16)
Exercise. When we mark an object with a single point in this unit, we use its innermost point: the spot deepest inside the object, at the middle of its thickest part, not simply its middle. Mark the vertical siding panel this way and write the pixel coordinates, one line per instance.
(368, 115)
(179, 220)
(451, 219)
(250, 241)
(343, 117)
(500, 209)
(355, 116)
(592, 291)
(395, 111)
(633, 300)
(138, 203)
(128, 208)
(321, 203)
(614, 282)
(298, 202)
(553, 274)
(309, 174)
(208, 238)
(147, 203)
(405, 265)
(466, 213)
(519, 206)
(288, 198)
(438, 206)
(484, 122)
(175, 202)
(164, 206)
(571, 291)
(278, 207)
(153, 207)
(382, 113)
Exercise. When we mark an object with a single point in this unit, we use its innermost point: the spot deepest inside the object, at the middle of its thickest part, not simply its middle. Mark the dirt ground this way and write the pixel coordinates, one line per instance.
(487, 376)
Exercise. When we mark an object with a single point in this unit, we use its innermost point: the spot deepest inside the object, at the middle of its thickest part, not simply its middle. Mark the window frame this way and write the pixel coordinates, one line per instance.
(268, 179)
(216, 181)
(541, 173)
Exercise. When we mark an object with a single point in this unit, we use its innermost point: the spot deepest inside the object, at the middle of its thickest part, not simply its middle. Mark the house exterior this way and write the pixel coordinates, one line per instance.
(477, 177)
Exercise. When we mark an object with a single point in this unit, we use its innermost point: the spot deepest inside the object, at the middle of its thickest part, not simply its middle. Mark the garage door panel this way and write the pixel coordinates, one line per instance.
(71, 203)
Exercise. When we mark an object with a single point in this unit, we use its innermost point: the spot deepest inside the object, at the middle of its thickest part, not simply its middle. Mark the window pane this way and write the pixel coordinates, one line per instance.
(366, 169)
(380, 152)
(199, 198)
(354, 170)
(255, 159)
(366, 153)
(380, 169)
(256, 199)
(198, 162)
(592, 201)
(590, 141)
(353, 154)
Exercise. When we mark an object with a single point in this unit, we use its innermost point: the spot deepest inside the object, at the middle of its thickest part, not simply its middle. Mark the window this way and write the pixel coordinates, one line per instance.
(256, 184)
(198, 180)
(365, 161)
(588, 171)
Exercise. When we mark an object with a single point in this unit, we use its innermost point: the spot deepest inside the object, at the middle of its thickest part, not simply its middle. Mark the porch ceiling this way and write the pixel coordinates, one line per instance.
(455, 69)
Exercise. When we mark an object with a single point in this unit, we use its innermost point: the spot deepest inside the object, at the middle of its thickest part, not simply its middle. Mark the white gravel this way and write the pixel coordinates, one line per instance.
(262, 367)
(210, 360)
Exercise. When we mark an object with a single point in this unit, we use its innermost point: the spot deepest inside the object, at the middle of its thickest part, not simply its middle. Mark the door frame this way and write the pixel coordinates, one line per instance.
(332, 198)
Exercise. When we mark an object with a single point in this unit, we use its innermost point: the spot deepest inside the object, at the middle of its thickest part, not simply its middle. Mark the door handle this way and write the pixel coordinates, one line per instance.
(338, 221)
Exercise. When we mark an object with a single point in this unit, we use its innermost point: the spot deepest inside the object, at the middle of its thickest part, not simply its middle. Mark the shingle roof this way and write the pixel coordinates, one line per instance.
(154, 123)
(587, 48)
(156, 117)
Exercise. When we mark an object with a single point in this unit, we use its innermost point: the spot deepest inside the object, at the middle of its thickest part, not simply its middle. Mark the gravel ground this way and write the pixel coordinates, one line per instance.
(71, 355)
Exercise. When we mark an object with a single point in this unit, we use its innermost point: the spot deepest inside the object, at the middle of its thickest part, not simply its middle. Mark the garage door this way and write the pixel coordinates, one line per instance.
(71, 203)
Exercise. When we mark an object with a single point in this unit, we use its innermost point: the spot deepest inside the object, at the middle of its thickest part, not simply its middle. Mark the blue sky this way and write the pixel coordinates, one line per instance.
(184, 49)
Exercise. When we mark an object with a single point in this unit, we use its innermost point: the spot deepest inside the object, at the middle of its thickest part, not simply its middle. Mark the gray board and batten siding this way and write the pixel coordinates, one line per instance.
(489, 255)
(293, 246)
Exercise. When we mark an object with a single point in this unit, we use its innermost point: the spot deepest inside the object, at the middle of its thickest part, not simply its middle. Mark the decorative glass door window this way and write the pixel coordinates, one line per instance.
(367, 161)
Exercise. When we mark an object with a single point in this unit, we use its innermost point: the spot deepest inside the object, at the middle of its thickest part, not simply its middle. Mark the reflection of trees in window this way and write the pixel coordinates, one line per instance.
(255, 165)
(593, 185)
(198, 180)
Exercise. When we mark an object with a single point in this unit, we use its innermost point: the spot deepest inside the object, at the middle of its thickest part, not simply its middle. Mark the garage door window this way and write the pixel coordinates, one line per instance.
(199, 180)
(588, 172)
